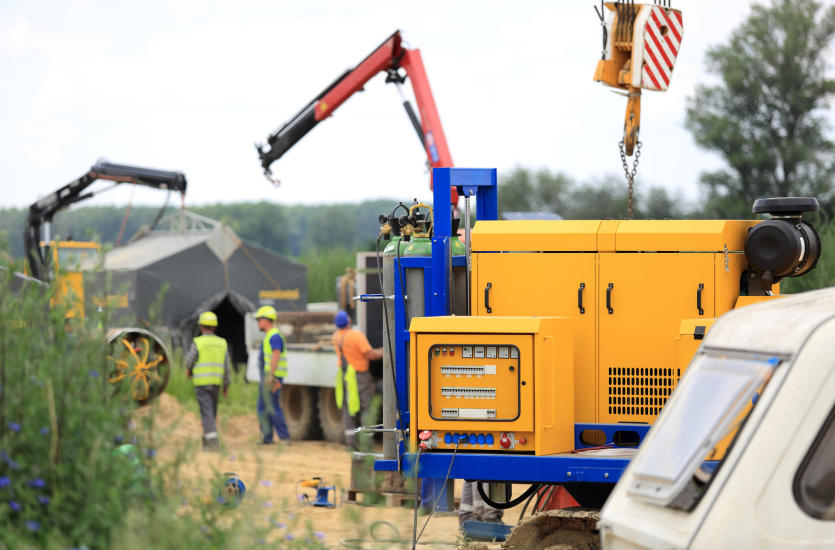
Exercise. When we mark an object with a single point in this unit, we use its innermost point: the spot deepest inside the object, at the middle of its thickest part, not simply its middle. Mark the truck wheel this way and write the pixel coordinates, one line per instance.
(300, 411)
(330, 417)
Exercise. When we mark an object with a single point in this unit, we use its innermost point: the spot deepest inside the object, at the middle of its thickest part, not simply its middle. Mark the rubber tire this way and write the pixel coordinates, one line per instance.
(300, 411)
(330, 417)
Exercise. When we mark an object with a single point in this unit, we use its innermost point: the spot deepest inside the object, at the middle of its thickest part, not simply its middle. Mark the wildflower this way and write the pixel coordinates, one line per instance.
(268, 504)
(319, 535)
(94, 374)
(266, 483)
(14, 505)
(5, 482)
(43, 499)
(288, 536)
(37, 483)
(45, 430)
(279, 524)
(8, 460)
(33, 525)
(14, 426)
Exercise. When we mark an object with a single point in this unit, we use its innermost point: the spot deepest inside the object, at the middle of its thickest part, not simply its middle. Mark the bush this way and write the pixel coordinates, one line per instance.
(61, 478)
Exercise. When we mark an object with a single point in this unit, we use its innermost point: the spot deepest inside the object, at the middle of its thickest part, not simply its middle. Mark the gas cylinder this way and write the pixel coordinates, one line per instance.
(396, 245)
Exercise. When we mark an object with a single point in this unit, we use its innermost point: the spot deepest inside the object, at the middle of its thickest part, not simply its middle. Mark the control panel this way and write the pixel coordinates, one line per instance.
(476, 384)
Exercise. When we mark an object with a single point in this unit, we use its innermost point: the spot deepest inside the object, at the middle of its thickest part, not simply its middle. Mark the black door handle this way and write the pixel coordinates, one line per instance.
(580, 298)
(609, 298)
(699, 299)
(487, 297)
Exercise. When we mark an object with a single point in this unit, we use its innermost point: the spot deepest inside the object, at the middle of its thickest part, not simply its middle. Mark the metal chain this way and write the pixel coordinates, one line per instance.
(630, 175)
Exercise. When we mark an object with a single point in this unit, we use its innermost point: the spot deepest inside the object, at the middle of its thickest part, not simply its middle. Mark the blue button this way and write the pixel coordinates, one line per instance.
(472, 439)
(481, 439)
(489, 439)
(448, 439)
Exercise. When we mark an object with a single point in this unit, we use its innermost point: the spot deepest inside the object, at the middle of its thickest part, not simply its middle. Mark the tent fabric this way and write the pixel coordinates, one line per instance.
(189, 263)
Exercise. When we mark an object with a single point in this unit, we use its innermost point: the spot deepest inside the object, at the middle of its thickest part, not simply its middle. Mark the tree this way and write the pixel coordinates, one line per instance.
(765, 117)
(525, 190)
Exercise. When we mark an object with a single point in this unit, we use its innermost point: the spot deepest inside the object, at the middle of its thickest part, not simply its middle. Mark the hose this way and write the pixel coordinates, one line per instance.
(437, 498)
(510, 503)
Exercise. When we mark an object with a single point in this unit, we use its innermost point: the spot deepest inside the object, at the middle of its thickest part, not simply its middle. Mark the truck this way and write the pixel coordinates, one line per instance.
(308, 402)
(742, 455)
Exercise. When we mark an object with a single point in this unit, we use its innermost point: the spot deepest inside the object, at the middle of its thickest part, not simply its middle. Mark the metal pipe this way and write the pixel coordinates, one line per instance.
(467, 244)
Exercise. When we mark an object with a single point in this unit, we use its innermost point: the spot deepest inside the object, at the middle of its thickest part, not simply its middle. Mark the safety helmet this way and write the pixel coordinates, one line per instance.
(341, 319)
(207, 319)
(266, 312)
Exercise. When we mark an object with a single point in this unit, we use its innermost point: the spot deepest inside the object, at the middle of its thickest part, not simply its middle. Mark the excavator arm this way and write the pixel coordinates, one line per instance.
(43, 210)
(390, 57)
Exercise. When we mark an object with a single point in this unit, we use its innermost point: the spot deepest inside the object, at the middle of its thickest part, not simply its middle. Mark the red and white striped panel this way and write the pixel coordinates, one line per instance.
(662, 33)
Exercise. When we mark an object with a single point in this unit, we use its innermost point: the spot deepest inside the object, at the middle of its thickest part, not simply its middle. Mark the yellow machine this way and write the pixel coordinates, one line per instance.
(477, 377)
(67, 259)
(586, 322)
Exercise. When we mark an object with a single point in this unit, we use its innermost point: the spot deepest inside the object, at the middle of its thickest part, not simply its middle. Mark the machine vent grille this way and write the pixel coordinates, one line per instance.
(638, 391)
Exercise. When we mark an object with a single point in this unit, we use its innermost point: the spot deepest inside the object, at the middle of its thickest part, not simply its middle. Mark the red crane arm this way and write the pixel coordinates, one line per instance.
(389, 57)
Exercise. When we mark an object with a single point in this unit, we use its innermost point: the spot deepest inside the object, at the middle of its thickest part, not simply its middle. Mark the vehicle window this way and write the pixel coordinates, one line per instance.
(695, 431)
(814, 484)
(74, 258)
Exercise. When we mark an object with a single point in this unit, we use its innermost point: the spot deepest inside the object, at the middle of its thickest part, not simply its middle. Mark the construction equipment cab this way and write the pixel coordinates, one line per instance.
(63, 259)
(742, 455)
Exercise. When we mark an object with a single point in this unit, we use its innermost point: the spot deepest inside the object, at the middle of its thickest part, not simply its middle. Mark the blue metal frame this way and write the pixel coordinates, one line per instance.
(561, 468)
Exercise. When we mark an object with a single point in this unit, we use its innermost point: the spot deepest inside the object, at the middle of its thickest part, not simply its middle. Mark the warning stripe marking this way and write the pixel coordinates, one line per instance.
(661, 49)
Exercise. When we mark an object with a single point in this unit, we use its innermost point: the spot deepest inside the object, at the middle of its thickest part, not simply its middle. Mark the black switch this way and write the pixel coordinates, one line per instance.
(699, 333)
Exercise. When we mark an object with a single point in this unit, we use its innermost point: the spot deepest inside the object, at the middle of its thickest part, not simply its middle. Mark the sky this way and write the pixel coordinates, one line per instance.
(191, 85)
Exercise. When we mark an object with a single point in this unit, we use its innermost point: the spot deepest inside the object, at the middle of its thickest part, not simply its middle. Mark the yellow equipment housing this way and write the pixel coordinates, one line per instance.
(636, 297)
(67, 259)
(478, 377)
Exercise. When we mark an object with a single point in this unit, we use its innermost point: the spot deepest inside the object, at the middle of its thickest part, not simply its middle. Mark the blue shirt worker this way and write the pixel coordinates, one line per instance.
(273, 362)
(207, 364)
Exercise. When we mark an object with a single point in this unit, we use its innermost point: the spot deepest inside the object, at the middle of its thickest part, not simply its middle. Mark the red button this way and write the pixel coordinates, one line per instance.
(505, 441)
(523, 440)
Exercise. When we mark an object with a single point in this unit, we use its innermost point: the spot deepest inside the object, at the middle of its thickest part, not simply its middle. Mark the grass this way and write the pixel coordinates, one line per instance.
(242, 395)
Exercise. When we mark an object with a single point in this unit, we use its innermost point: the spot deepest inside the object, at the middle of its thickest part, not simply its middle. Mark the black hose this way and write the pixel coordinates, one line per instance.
(510, 503)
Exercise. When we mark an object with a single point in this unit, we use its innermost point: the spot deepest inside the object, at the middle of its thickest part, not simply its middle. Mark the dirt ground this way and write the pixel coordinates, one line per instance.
(272, 474)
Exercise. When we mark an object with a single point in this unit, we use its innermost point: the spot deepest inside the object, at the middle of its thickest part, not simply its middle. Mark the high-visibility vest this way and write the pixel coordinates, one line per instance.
(281, 369)
(346, 378)
(211, 360)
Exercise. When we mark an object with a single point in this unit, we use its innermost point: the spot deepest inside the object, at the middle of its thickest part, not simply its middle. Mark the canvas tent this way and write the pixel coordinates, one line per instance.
(190, 263)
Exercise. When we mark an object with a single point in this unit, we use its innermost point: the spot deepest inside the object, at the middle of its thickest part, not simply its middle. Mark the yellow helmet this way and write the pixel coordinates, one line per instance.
(266, 312)
(207, 319)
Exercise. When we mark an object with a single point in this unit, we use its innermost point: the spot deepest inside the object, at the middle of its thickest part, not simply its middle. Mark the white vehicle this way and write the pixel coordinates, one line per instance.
(743, 455)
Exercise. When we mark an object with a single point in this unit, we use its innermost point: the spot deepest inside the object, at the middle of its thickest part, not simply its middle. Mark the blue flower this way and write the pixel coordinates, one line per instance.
(279, 524)
(5, 482)
(14, 426)
(288, 536)
(94, 374)
(268, 504)
(8, 460)
(43, 499)
(33, 525)
(45, 430)
(319, 535)
(266, 483)
(14, 505)
(37, 483)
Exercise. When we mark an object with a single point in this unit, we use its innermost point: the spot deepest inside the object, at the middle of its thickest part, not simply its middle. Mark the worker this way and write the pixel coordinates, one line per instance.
(207, 365)
(473, 507)
(273, 368)
(354, 387)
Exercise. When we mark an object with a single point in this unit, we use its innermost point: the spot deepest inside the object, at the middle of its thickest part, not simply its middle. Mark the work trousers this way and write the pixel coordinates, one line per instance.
(472, 506)
(365, 385)
(207, 398)
(270, 415)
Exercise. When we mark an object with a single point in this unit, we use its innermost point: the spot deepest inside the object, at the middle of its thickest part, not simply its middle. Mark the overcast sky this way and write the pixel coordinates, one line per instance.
(190, 85)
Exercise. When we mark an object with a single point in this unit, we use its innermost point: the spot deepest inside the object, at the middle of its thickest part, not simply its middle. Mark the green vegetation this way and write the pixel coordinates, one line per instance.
(78, 463)
(766, 115)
